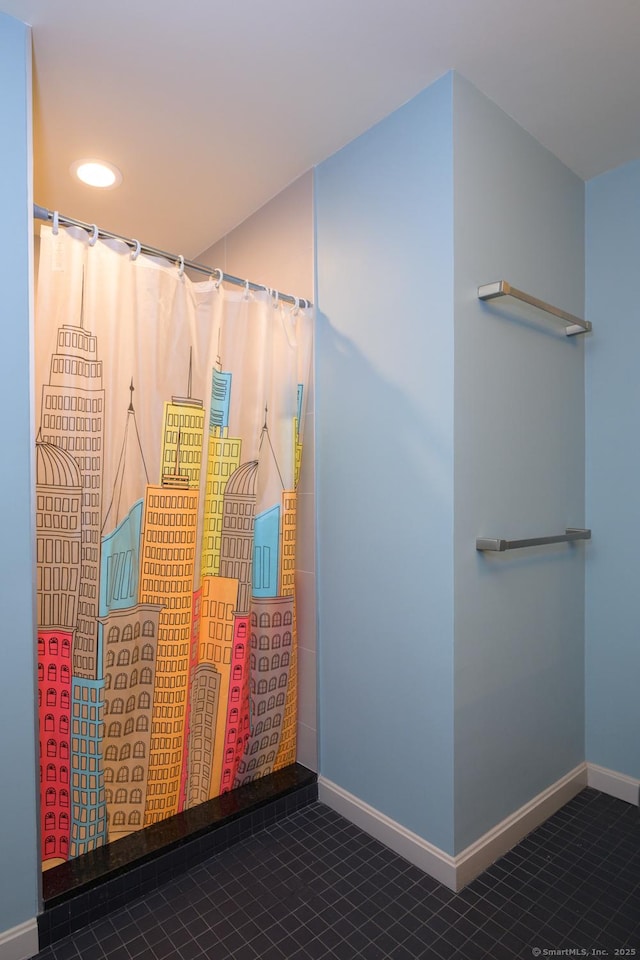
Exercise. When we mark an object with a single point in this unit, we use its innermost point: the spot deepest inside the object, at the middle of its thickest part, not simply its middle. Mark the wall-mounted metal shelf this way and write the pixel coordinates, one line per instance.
(500, 288)
(498, 545)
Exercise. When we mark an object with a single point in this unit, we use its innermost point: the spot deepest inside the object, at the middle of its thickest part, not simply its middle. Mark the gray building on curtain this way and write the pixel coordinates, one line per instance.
(72, 418)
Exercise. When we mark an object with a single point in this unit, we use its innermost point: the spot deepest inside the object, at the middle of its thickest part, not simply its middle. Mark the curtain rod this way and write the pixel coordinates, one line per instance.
(41, 213)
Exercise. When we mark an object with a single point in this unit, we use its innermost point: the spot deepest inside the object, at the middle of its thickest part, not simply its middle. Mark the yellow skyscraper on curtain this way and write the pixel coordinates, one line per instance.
(223, 459)
(287, 749)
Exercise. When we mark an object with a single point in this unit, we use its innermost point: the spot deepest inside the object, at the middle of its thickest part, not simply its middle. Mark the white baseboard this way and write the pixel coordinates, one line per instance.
(19, 942)
(615, 784)
(501, 838)
(454, 872)
(407, 844)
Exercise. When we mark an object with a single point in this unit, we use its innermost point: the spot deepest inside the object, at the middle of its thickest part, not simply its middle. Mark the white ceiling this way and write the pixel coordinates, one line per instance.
(210, 108)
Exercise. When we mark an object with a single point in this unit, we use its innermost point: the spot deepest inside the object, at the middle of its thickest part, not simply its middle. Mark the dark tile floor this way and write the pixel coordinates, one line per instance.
(313, 886)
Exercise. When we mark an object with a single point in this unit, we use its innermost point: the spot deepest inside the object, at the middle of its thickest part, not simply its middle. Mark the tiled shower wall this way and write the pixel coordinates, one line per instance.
(274, 246)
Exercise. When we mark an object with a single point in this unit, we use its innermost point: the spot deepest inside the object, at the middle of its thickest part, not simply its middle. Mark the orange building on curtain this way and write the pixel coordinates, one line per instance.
(167, 572)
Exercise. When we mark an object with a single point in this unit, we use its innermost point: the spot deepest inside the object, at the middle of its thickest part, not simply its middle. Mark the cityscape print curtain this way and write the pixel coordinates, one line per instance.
(169, 424)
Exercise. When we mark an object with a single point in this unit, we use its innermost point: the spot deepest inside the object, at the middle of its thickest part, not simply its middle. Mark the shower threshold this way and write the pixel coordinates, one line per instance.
(89, 887)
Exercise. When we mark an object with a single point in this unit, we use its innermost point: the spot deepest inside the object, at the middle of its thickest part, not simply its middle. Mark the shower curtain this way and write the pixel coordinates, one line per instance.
(169, 425)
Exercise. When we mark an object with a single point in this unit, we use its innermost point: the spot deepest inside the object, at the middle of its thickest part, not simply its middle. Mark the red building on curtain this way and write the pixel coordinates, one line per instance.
(58, 546)
(54, 695)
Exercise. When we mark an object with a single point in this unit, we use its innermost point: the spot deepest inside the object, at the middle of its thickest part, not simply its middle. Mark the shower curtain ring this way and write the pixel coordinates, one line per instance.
(220, 277)
(94, 235)
(181, 266)
(135, 253)
(246, 290)
(56, 224)
(276, 299)
(296, 306)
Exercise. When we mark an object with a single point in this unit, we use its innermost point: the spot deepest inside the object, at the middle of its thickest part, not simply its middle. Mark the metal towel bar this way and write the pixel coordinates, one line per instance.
(495, 544)
(500, 288)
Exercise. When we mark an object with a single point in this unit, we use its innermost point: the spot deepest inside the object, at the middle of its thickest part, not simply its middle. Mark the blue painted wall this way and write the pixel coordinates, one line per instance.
(613, 465)
(19, 891)
(384, 435)
(416, 428)
(519, 469)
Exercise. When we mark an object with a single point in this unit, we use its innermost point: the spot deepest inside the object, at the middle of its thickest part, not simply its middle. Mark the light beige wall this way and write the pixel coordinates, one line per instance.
(275, 247)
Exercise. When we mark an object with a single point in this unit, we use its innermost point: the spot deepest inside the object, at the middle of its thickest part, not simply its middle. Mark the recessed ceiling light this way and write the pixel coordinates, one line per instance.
(97, 173)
